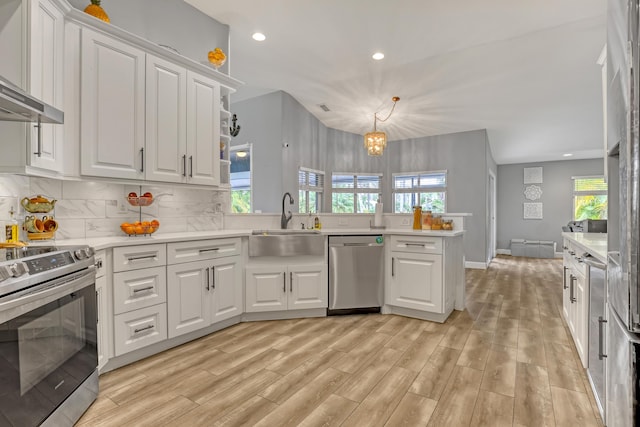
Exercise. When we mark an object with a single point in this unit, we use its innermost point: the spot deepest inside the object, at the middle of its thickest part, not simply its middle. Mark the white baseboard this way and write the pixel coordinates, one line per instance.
(475, 265)
(503, 251)
(558, 254)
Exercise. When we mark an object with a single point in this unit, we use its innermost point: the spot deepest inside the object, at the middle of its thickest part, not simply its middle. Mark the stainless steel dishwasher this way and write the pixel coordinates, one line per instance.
(356, 274)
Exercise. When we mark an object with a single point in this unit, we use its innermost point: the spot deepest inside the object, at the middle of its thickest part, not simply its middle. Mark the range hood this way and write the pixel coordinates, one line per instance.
(18, 106)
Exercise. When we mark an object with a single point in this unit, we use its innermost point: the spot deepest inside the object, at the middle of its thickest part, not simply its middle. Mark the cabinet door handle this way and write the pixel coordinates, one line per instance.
(190, 166)
(146, 328)
(208, 250)
(420, 245)
(572, 297)
(213, 275)
(284, 282)
(98, 310)
(99, 263)
(290, 281)
(564, 277)
(184, 165)
(208, 278)
(148, 288)
(39, 127)
(142, 159)
(393, 263)
(601, 323)
(138, 258)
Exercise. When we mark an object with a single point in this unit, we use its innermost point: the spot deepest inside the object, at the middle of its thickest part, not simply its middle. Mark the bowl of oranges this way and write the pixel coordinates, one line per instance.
(140, 228)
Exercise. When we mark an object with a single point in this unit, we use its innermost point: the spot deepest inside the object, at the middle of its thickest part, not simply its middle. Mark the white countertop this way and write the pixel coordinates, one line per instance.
(113, 241)
(594, 243)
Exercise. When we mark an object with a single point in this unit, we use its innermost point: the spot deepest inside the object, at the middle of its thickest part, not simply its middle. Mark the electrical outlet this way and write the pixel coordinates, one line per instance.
(405, 221)
(343, 221)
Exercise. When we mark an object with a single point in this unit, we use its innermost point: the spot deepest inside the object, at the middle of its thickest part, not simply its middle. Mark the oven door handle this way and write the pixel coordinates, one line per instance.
(18, 303)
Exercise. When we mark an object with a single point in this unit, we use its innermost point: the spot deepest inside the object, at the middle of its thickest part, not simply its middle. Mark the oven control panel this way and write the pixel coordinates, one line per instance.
(49, 262)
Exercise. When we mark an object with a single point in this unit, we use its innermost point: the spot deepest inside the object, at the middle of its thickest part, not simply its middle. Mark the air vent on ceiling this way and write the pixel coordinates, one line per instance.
(324, 107)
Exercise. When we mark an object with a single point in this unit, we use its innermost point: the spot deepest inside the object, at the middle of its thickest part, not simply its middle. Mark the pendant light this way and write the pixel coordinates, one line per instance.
(375, 142)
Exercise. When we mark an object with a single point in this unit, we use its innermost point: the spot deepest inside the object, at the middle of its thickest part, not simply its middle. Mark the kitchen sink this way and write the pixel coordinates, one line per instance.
(286, 243)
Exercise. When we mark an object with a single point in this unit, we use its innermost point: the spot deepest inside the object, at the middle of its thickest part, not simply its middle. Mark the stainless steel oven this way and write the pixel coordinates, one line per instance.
(48, 335)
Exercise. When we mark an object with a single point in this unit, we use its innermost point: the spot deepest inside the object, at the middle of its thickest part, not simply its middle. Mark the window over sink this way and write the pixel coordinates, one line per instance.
(355, 193)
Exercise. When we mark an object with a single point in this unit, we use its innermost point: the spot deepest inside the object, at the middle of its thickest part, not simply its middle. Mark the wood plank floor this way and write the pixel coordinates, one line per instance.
(508, 360)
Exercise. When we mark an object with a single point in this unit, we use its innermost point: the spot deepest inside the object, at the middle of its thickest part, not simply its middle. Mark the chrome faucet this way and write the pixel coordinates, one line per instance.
(284, 219)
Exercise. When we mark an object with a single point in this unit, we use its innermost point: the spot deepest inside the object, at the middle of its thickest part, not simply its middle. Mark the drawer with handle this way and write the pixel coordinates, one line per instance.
(416, 244)
(128, 258)
(138, 289)
(202, 249)
(140, 328)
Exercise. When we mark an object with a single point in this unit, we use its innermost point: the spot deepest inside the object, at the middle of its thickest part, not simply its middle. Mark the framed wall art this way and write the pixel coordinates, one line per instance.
(532, 210)
(533, 175)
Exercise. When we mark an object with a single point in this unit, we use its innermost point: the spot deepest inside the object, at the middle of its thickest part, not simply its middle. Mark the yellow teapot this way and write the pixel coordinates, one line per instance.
(37, 204)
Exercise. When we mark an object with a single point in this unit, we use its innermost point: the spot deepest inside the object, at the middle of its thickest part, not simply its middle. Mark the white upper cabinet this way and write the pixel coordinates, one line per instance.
(203, 130)
(112, 115)
(32, 51)
(183, 125)
(166, 111)
(46, 43)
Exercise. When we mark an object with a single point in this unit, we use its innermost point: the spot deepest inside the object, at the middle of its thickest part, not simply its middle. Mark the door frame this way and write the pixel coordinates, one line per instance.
(491, 214)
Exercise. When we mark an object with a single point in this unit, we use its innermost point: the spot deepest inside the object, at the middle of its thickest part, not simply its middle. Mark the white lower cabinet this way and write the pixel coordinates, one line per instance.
(103, 309)
(103, 321)
(416, 282)
(575, 298)
(140, 328)
(201, 293)
(139, 297)
(422, 275)
(292, 287)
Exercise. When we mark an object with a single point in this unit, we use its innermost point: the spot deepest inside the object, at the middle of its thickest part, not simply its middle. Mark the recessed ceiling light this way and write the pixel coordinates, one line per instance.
(567, 155)
(241, 154)
(259, 37)
(378, 56)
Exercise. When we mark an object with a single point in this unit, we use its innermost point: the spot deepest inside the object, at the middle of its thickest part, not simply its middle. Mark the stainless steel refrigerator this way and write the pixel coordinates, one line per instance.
(623, 171)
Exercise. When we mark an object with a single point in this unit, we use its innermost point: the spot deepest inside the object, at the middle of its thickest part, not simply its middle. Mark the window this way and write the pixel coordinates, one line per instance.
(426, 189)
(353, 193)
(310, 188)
(589, 197)
(240, 178)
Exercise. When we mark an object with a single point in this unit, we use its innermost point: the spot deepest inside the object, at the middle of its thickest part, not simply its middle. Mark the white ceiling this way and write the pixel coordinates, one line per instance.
(525, 70)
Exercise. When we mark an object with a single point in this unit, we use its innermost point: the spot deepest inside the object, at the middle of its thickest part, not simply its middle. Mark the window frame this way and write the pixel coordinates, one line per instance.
(355, 190)
(575, 193)
(419, 190)
(319, 190)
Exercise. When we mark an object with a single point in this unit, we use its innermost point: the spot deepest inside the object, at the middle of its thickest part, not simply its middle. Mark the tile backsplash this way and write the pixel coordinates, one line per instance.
(96, 209)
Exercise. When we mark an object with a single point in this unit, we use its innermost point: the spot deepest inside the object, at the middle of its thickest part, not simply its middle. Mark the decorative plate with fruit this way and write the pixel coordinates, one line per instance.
(144, 200)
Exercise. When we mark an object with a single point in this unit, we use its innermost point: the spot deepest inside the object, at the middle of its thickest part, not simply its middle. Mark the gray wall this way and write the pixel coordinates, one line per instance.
(261, 124)
(168, 22)
(556, 198)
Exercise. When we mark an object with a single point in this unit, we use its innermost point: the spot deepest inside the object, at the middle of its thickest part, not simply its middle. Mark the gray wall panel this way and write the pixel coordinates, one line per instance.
(261, 124)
